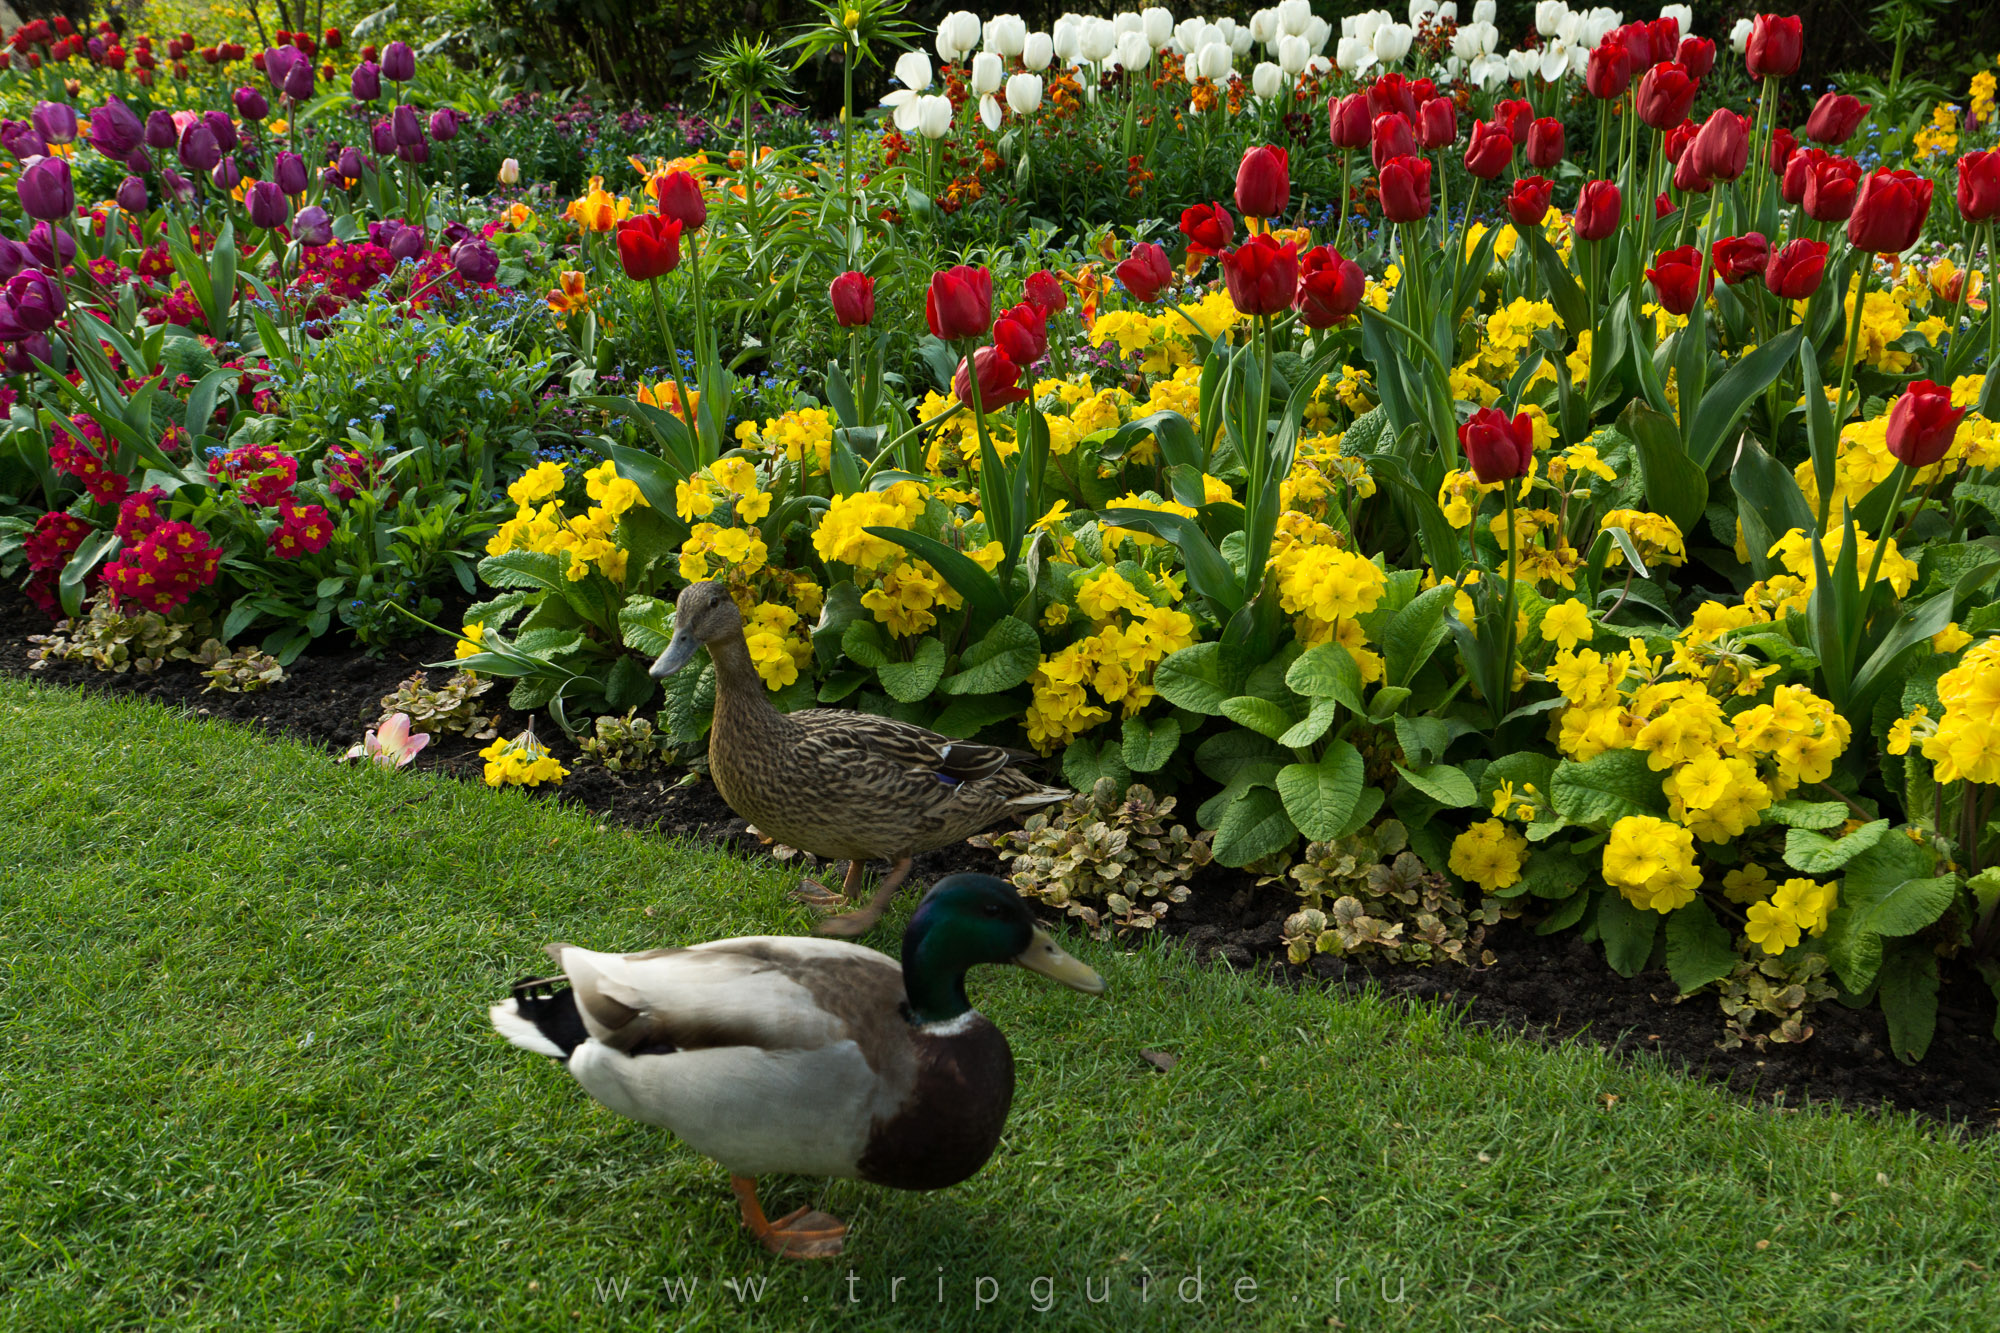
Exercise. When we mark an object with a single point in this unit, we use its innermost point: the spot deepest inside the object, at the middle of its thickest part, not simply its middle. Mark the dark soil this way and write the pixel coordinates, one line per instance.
(1551, 988)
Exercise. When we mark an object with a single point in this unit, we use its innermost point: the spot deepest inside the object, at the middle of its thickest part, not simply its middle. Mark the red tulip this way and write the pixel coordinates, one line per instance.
(1440, 122)
(999, 380)
(1782, 147)
(1665, 94)
(1666, 34)
(1663, 206)
(1489, 151)
(680, 199)
(1835, 118)
(1722, 146)
(1698, 54)
(1330, 287)
(1406, 189)
(1798, 173)
(1598, 210)
(1679, 139)
(1922, 424)
(959, 303)
(1688, 178)
(1263, 182)
(1637, 39)
(1528, 201)
(1348, 119)
(1044, 291)
(1545, 143)
(1208, 227)
(1831, 189)
(1262, 275)
(1516, 116)
(1735, 258)
(1793, 272)
(1889, 212)
(1390, 135)
(1395, 92)
(1498, 449)
(1023, 332)
(649, 246)
(1145, 271)
(1776, 43)
(1674, 275)
(1979, 186)
(1609, 71)
(853, 297)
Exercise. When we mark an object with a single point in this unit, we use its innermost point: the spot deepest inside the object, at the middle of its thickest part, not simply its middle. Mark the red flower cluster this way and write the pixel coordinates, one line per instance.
(55, 538)
(86, 455)
(140, 514)
(306, 530)
(348, 472)
(263, 473)
(163, 569)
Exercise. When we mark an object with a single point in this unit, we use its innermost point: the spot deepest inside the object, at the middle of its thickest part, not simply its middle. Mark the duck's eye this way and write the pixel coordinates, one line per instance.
(993, 909)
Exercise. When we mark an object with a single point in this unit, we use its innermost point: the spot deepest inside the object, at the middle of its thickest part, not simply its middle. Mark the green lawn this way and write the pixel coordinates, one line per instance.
(246, 1080)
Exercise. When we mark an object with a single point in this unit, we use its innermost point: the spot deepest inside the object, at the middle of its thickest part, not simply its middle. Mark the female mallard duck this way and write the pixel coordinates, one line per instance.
(835, 782)
(811, 1057)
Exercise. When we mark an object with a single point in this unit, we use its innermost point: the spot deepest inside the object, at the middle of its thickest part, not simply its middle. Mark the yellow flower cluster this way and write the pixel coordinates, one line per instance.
(1795, 906)
(1658, 537)
(1792, 590)
(586, 541)
(1131, 633)
(1886, 317)
(1324, 588)
(521, 762)
(1966, 742)
(1510, 334)
(1651, 862)
(779, 647)
(1318, 466)
(1864, 461)
(1940, 137)
(1982, 99)
(1490, 855)
(803, 435)
(842, 535)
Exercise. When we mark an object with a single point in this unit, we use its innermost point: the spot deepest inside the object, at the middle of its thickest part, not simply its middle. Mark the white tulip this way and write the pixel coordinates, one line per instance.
(1489, 72)
(1366, 24)
(1024, 93)
(1267, 80)
(1240, 44)
(1572, 26)
(1523, 64)
(1421, 10)
(1685, 13)
(1065, 39)
(1579, 60)
(1392, 42)
(934, 117)
(1555, 60)
(1602, 21)
(987, 74)
(1739, 36)
(913, 70)
(1158, 25)
(1100, 40)
(1215, 61)
(1483, 11)
(1353, 55)
(1549, 16)
(1293, 54)
(1037, 51)
(1187, 35)
(1475, 40)
(1293, 15)
(1448, 11)
(989, 112)
(1317, 33)
(1264, 27)
(958, 35)
(1134, 51)
(1006, 34)
(1227, 27)
(1128, 22)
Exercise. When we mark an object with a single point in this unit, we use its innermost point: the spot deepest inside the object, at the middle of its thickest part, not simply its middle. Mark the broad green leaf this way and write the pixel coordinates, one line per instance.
(1726, 400)
(1150, 744)
(1000, 661)
(912, 681)
(1238, 756)
(646, 624)
(1627, 931)
(1446, 784)
(966, 717)
(1675, 485)
(1315, 725)
(1552, 872)
(1607, 788)
(1808, 814)
(1817, 854)
(1909, 996)
(628, 685)
(524, 569)
(1253, 824)
(1698, 947)
(1327, 671)
(1320, 797)
(862, 642)
(1415, 633)
(1201, 678)
(1086, 760)
(1260, 715)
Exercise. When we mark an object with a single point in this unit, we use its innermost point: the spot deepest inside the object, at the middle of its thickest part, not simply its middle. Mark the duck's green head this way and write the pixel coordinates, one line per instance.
(966, 920)
(703, 613)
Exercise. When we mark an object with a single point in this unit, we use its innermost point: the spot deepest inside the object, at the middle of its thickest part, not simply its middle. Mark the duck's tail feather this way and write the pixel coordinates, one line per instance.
(541, 1018)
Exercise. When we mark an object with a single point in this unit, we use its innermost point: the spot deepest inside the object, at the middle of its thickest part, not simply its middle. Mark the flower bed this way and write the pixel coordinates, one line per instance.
(1449, 567)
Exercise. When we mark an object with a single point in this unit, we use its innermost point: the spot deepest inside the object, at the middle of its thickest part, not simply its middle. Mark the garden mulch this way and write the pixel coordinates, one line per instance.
(1549, 988)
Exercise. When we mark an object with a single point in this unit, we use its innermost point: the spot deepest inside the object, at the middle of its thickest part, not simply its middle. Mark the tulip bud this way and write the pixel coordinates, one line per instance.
(1722, 147)
(55, 122)
(1348, 121)
(1830, 189)
(405, 242)
(1793, 272)
(1498, 449)
(45, 189)
(1440, 122)
(226, 175)
(399, 62)
(1923, 424)
(444, 124)
(1665, 94)
(1330, 287)
(999, 380)
(289, 171)
(1545, 143)
(475, 261)
(1835, 118)
(1697, 54)
(250, 103)
(1489, 151)
(365, 84)
(510, 171)
(1405, 184)
(224, 130)
(267, 205)
(1044, 291)
(1775, 44)
(1528, 201)
(1209, 228)
(1979, 186)
(1145, 272)
(680, 198)
(115, 131)
(853, 299)
(1889, 212)
(1782, 147)
(1263, 182)
(1262, 276)
(1674, 277)
(405, 129)
(959, 303)
(1735, 258)
(350, 163)
(1023, 333)
(1391, 136)
(198, 149)
(312, 227)
(132, 195)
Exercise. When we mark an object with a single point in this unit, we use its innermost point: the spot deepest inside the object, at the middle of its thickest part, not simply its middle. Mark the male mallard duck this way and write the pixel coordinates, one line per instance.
(811, 1057)
(835, 782)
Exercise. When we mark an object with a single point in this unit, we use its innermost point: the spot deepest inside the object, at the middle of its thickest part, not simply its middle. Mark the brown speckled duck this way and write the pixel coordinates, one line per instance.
(803, 1056)
(839, 783)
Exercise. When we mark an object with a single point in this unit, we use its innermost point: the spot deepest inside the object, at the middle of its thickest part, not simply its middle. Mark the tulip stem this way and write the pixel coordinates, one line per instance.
(1903, 474)
(1992, 310)
(673, 361)
(1507, 604)
(1846, 377)
(1340, 229)
(1761, 146)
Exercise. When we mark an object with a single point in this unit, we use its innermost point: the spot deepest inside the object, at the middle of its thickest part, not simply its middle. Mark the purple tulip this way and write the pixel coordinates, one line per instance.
(179, 186)
(138, 162)
(289, 171)
(36, 298)
(299, 80)
(454, 232)
(199, 150)
(350, 163)
(406, 242)
(23, 354)
(383, 136)
(11, 327)
(13, 258)
(251, 104)
(415, 154)
(46, 190)
(19, 138)
(399, 62)
(278, 62)
(444, 124)
(55, 121)
(226, 175)
(161, 132)
(405, 127)
(132, 195)
(52, 247)
(475, 261)
(267, 205)
(223, 128)
(365, 85)
(114, 130)
(312, 226)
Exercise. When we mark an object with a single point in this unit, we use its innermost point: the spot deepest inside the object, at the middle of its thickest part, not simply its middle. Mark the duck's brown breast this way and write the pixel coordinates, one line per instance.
(951, 1121)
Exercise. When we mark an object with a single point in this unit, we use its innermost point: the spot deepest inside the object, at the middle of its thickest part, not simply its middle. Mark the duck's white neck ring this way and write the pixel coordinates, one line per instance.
(951, 1027)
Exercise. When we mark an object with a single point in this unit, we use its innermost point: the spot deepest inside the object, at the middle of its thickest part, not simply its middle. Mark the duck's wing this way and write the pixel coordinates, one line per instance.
(912, 748)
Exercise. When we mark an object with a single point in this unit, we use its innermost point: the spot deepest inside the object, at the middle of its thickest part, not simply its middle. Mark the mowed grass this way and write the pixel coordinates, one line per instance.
(246, 1080)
